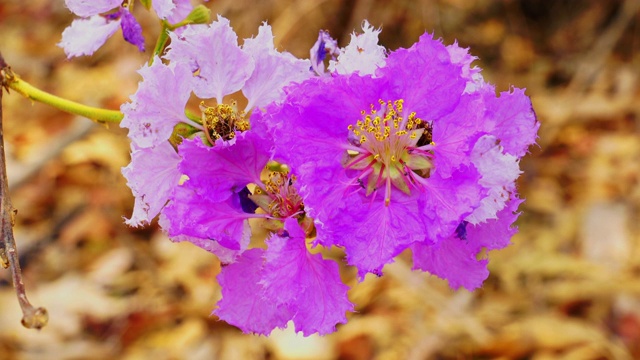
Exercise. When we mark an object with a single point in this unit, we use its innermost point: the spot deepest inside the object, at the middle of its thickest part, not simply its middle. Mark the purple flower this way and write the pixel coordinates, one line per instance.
(402, 161)
(284, 282)
(209, 204)
(159, 105)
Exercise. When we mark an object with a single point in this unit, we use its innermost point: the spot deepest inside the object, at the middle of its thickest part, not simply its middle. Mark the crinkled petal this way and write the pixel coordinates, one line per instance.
(86, 8)
(373, 233)
(308, 285)
(452, 259)
(243, 304)
(224, 169)
(159, 103)
(363, 54)
(214, 53)
(152, 176)
(273, 70)
(85, 36)
(499, 172)
(425, 77)
(512, 120)
(455, 259)
(461, 56)
(454, 135)
(496, 233)
(197, 216)
(131, 29)
(444, 203)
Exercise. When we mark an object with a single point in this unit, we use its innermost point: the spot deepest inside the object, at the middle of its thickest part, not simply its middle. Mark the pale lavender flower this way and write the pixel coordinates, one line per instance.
(86, 35)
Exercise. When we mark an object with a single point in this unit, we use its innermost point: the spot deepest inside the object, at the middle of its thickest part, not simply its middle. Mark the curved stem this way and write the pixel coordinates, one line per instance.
(32, 317)
(99, 115)
(162, 40)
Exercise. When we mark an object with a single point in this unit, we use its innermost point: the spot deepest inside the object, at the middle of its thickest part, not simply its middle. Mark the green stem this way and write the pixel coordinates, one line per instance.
(162, 41)
(96, 114)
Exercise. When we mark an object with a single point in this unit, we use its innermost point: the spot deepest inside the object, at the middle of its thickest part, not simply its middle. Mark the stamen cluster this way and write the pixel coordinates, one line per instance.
(222, 121)
(279, 197)
(386, 148)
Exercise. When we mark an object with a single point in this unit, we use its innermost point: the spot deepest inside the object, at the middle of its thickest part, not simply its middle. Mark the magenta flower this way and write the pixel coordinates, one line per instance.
(407, 158)
(210, 204)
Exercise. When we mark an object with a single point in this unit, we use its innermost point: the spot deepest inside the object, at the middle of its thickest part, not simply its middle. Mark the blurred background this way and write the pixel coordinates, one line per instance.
(568, 287)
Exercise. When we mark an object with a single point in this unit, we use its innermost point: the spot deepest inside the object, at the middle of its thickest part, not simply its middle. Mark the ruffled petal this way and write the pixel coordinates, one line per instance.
(444, 203)
(243, 304)
(363, 54)
(455, 259)
(86, 8)
(159, 103)
(225, 169)
(193, 215)
(425, 77)
(499, 172)
(85, 36)
(131, 29)
(497, 233)
(455, 133)
(308, 285)
(373, 233)
(152, 176)
(452, 259)
(511, 119)
(273, 70)
(461, 56)
(213, 52)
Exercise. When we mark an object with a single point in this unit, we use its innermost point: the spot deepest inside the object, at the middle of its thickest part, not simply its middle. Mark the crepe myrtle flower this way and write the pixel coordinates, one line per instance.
(157, 110)
(420, 154)
(100, 19)
(261, 289)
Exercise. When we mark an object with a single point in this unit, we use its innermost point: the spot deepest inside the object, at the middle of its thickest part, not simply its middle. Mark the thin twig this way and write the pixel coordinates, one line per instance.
(32, 318)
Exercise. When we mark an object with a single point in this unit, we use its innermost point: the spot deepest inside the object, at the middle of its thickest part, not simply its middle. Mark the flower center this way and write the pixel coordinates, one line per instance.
(388, 147)
(222, 121)
(279, 198)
